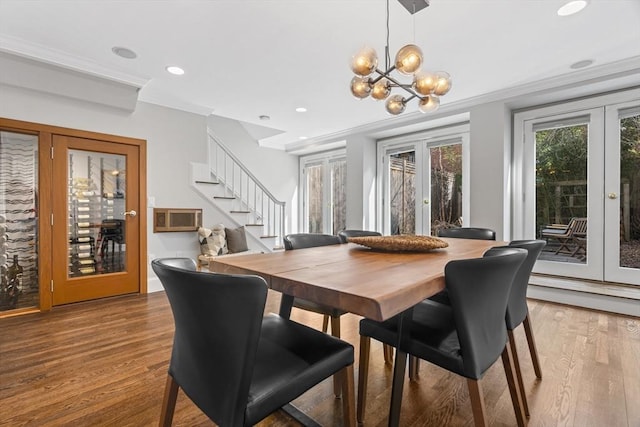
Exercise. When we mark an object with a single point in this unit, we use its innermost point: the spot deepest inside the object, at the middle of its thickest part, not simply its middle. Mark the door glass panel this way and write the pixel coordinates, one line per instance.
(19, 287)
(315, 187)
(402, 194)
(630, 192)
(97, 183)
(338, 195)
(561, 192)
(446, 187)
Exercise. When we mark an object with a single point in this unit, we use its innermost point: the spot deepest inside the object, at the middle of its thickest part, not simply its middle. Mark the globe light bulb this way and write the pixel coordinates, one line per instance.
(409, 59)
(425, 82)
(395, 104)
(429, 103)
(381, 89)
(443, 84)
(364, 62)
(360, 87)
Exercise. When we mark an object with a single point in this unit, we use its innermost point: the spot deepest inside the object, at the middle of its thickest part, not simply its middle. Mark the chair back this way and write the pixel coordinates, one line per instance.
(517, 308)
(479, 291)
(468, 233)
(309, 240)
(580, 227)
(183, 263)
(218, 321)
(345, 234)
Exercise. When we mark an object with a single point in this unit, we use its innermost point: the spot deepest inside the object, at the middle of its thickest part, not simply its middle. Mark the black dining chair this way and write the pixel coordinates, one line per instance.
(518, 311)
(311, 240)
(466, 337)
(468, 233)
(345, 234)
(235, 365)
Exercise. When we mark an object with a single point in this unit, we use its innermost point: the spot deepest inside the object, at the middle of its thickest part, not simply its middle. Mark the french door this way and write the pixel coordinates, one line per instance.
(96, 223)
(583, 165)
(324, 199)
(424, 183)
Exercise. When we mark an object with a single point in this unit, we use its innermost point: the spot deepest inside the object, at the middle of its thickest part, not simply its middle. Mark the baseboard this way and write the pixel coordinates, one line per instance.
(598, 296)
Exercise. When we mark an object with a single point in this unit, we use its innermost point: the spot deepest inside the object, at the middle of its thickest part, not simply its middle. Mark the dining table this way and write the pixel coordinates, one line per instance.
(371, 283)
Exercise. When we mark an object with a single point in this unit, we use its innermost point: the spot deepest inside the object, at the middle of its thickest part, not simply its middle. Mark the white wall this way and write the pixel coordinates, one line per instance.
(361, 185)
(174, 139)
(490, 157)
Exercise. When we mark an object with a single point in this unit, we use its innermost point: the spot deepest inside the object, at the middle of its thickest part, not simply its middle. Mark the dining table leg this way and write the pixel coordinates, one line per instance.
(399, 366)
(286, 303)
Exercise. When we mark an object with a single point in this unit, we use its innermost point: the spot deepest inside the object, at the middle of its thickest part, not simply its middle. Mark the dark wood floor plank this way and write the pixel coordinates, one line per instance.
(104, 363)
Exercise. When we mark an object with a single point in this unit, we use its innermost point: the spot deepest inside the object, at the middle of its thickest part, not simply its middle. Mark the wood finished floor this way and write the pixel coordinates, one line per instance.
(104, 363)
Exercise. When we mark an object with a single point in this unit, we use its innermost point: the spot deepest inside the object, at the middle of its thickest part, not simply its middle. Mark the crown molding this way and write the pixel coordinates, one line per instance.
(37, 52)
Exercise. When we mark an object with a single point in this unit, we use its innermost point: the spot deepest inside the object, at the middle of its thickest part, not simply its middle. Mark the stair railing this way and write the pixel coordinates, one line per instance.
(252, 196)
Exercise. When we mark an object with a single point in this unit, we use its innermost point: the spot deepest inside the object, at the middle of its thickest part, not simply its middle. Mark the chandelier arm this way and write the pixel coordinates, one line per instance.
(398, 84)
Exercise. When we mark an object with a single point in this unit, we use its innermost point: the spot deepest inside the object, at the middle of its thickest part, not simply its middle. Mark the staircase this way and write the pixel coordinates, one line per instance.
(229, 186)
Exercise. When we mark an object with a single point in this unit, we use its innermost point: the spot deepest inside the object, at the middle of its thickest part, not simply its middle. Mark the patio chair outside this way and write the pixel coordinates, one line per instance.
(568, 236)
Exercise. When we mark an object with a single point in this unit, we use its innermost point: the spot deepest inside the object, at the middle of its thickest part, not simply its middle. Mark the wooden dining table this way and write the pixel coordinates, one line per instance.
(371, 283)
(374, 284)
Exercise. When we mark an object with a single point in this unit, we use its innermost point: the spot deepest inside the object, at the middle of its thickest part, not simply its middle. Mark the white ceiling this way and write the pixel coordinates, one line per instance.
(246, 58)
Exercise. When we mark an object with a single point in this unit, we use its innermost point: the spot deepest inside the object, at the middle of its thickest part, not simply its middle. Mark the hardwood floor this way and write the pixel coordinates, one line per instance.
(104, 363)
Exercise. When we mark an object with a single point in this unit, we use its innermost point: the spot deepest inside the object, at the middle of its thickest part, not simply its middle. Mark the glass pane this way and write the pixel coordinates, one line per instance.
(446, 187)
(402, 194)
(18, 221)
(96, 213)
(630, 192)
(314, 198)
(561, 192)
(339, 195)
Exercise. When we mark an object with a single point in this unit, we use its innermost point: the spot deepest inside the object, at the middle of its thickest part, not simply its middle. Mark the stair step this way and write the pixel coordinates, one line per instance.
(224, 197)
(254, 225)
(241, 212)
(207, 182)
(267, 237)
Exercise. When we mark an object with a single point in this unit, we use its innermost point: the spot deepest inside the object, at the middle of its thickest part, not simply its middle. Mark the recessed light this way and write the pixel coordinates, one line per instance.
(175, 70)
(581, 64)
(301, 110)
(123, 52)
(264, 117)
(572, 7)
(302, 137)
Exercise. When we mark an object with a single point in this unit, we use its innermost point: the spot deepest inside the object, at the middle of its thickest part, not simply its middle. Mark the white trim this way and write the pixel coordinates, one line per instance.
(598, 295)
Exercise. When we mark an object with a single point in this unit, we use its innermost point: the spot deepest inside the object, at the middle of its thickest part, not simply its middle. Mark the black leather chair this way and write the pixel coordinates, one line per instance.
(518, 311)
(468, 233)
(466, 337)
(235, 365)
(311, 240)
(345, 234)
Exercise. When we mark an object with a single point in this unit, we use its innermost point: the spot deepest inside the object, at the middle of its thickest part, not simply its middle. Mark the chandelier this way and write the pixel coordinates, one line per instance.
(426, 86)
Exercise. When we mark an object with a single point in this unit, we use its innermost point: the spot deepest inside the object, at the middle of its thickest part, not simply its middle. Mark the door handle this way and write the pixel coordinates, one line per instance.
(131, 213)
(612, 196)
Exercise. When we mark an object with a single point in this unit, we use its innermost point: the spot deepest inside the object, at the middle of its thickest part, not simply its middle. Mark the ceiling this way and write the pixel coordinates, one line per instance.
(248, 58)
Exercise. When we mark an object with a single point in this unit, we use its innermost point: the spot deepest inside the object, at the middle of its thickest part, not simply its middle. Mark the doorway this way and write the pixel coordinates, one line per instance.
(73, 216)
(581, 180)
(96, 220)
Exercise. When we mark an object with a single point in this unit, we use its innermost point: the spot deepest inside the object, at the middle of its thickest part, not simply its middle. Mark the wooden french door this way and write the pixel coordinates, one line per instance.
(96, 219)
